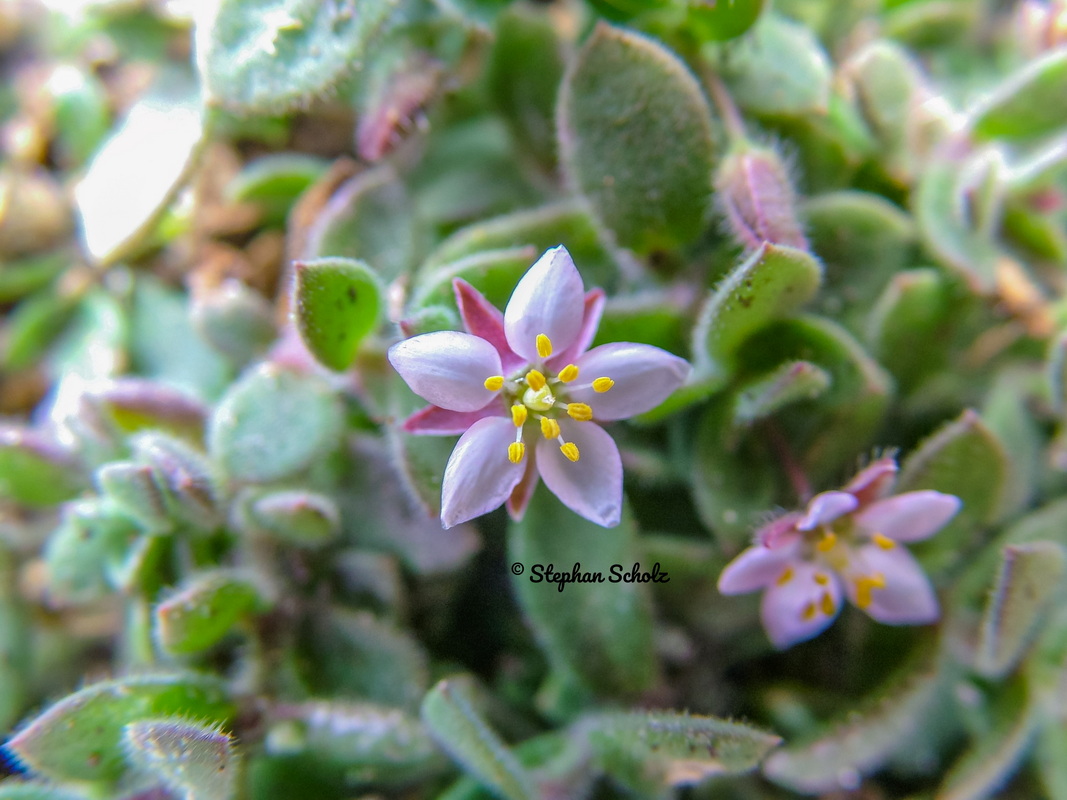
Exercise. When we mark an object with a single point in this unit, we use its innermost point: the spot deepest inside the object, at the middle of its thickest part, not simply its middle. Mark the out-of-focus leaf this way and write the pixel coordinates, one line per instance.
(302, 518)
(449, 712)
(1028, 103)
(635, 138)
(236, 320)
(718, 22)
(792, 381)
(907, 322)
(93, 536)
(1029, 579)
(80, 737)
(274, 182)
(273, 424)
(36, 471)
(203, 611)
(258, 58)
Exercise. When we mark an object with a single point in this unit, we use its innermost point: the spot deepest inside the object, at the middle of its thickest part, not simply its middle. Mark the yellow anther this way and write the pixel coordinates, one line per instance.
(826, 604)
(535, 380)
(579, 411)
(785, 577)
(516, 450)
(865, 584)
(822, 578)
(826, 543)
(549, 428)
(544, 346)
(884, 541)
(570, 450)
(518, 415)
(568, 373)
(878, 580)
(494, 383)
(808, 612)
(601, 385)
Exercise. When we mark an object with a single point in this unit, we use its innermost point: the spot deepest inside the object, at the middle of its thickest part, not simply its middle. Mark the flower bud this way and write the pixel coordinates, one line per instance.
(757, 197)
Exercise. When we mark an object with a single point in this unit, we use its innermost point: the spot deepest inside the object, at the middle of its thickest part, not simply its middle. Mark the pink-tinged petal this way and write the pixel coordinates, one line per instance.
(447, 368)
(780, 532)
(436, 421)
(873, 481)
(795, 609)
(907, 598)
(590, 486)
(909, 517)
(479, 476)
(484, 320)
(523, 491)
(593, 310)
(548, 300)
(825, 508)
(755, 568)
(644, 377)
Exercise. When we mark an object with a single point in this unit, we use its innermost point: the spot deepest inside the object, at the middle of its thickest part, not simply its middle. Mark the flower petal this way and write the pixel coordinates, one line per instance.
(523, 491)
(594, 309)
(796, 609)
(755, 568)
(548, 300)
(479, 476)
(436, 421)
(873, 481)
(644, 377)
(592, 485)
(826, 507)
(781, 531)
(907, 597)
(447, 368)
(484, 320)
(909, 517)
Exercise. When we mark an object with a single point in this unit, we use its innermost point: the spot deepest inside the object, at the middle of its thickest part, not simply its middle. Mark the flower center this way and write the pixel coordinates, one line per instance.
(835, 547)
(533, 396)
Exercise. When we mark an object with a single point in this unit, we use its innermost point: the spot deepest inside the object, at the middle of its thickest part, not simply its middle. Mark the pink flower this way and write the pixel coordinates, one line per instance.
(526, 394)
(847, 543)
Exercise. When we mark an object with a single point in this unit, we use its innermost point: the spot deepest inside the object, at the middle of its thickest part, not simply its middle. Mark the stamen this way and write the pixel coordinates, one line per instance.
(808, 612)
(518, 415)
(826, 604)
(494, 383)
(601, 385)
(516, 450)
(568, 373)
(785, 577)
(549, 428)
(535, 380)
(544, 346)
(822, 578)
(827, 542)
(864, 585)
(570, 450)
(884, 541)
(579, 412)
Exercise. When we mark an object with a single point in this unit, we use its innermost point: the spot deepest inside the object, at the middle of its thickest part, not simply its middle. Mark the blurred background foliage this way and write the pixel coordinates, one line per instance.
(222, 570)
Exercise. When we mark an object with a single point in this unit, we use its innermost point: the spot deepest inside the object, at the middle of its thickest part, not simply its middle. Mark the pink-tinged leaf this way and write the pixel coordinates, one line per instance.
(447, 368)
(481, 318)
(548, 300)
(479, 476)
(592, 485)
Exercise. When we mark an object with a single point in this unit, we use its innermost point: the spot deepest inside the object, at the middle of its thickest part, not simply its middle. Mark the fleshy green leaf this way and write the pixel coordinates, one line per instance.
(681, 749)
(274, 57)
(718, 22)
(336, 303)
(599, 632)
(203, 611)
(272, 424)
(770, 284)
(779, 70)
(274, 182)
(635, 137)
(792, 381)
(93, 536)
(302, 518)
(80, 737)
(1027, 104)
(963, 458)
(34, 470)
(197, 761)
(1029, 579)
(449, 712)
(905, 323)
